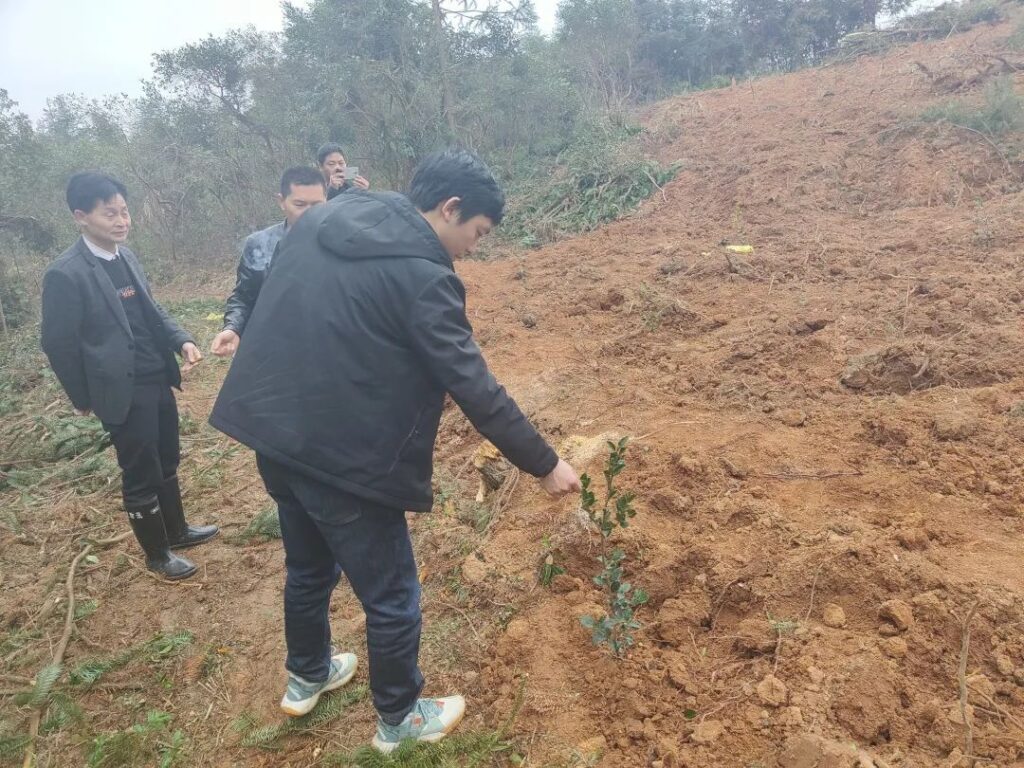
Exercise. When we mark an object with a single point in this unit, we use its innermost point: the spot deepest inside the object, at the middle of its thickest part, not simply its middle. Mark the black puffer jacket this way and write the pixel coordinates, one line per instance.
(360, 330)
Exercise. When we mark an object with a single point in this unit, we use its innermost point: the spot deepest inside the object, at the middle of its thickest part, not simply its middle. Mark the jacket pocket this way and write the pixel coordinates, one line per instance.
(409, 439)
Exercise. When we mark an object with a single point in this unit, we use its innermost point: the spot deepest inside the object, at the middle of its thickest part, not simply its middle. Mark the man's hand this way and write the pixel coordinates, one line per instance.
(337, 179)
(191, 355)
(361, 182)
(83, 411)
(225, 343)
(561, 481)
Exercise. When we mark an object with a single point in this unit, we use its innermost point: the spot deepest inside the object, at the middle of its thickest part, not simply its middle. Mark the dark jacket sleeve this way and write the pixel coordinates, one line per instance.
(333, 192)
(442, 335)
(62, 335)
(176, 335)
(248, 283)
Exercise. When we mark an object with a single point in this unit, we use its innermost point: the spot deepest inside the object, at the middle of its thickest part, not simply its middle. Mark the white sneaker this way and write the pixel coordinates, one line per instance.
(302, 696)
(430, 720)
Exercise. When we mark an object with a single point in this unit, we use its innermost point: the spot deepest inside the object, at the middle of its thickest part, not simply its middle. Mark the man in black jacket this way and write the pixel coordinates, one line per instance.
(337, 175)
(359, 333)
(302, 187)
(112, 348)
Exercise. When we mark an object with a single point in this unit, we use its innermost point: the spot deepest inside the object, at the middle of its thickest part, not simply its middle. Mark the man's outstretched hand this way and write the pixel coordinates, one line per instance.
(562, 480)
(225, 343)
(191, 355)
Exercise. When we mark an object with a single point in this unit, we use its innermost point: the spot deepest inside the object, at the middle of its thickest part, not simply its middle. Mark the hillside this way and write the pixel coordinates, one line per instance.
(827, 447)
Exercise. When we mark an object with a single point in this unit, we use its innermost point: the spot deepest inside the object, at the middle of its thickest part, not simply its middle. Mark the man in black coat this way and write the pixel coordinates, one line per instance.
(338, 385)
(112, 348)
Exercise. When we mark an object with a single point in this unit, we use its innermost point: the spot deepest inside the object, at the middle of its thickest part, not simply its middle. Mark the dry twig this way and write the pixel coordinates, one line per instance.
(58, 654)
(965, 647)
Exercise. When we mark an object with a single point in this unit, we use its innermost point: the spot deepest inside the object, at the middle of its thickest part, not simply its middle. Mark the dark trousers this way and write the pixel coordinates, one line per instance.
(147, 445)
(327, 532)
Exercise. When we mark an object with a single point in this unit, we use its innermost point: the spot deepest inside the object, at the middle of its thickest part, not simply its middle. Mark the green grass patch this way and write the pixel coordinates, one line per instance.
(1001, 112)
(598, 178)
(156, 650)
(330, 708)
(266, 525)
(150, 742)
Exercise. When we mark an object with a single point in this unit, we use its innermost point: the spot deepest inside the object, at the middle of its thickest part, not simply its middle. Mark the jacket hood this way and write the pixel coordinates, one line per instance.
(377, 225)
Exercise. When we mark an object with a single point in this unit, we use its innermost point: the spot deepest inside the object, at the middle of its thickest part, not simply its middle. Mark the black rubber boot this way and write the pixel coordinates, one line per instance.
(180, 534)
(148, 525)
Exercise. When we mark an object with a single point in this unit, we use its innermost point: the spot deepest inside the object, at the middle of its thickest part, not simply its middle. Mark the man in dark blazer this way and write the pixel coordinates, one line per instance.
(112, 348)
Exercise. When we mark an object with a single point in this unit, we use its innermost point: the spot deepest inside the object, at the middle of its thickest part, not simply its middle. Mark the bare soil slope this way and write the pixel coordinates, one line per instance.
(827, 447)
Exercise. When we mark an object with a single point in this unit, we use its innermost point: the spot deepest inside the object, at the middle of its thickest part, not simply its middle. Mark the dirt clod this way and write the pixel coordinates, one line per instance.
(679, 617)
(772, 691)
(833, 615)
(792, 418)
(914, 539)
(707, 732)
(894, 647)
(897, 613)
(954, 426)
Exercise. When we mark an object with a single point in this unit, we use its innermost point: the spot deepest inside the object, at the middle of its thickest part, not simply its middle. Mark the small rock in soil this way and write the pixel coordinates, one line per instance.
(668, 751)
(805, 327)
(1004, 664)
(707, 732)
(897, 613)
(676, 667)
(772, 691)
(792, 716)
(915, 539)
(954, 426)
(894, 647)
(474, 570)
(793, 418)
(980, 683)
(811, 751)
(732, 469)
(834, 616)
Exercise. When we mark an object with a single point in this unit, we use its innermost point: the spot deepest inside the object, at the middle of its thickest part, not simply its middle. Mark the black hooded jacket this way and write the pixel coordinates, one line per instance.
(359, 332)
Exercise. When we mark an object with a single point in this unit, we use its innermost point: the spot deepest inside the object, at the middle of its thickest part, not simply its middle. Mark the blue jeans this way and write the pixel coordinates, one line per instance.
(327, 532)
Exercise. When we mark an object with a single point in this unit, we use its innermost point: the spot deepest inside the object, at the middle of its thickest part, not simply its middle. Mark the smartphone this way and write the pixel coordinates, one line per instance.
(351, 171)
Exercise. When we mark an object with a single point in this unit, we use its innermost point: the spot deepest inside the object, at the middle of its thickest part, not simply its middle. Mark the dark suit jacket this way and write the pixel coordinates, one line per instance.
(87, 337)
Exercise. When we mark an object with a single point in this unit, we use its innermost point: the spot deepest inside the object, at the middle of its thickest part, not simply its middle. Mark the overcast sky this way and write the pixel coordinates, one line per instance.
(49, 47)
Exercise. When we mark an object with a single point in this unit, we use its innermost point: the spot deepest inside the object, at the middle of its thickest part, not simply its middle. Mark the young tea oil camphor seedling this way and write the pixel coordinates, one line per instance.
(615, 629)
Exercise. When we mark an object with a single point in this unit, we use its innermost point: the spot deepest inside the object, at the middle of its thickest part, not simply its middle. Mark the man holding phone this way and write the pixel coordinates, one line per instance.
(338, 175)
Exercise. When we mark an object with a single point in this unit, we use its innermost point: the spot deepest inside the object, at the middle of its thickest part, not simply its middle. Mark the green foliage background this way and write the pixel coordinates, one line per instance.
(202, 148)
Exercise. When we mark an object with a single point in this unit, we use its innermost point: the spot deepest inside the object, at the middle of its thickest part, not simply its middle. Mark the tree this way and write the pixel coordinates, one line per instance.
(221, 70)
(600, 38)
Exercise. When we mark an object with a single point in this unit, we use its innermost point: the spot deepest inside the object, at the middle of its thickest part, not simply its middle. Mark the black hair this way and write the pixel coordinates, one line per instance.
(87, 189)
(328, 149)
(457, 173)
(302, 176)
